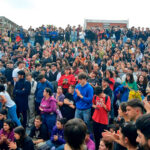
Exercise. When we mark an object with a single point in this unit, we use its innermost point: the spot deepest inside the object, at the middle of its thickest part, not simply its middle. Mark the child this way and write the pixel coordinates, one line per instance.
(57, 136)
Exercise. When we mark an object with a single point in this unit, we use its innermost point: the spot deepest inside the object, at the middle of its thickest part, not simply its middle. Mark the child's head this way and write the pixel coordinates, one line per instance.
(60, 123)
(3, 114)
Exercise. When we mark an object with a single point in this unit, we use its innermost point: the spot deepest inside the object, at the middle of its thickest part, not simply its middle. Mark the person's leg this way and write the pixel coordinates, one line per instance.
(50, 121)
(87, 118)
(60, 147)
(31, 112)
(78, 114)
(37, 105)
(102, 127)
(96, 132)
(13, 115)
(24, 114)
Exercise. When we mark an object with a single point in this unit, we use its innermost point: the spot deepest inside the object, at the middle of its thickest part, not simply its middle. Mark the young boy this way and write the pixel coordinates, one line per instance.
(57, 136)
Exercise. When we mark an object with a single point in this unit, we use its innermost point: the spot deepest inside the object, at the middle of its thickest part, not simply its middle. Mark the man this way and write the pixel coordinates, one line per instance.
(20, 65)
(39, 132)
(143, 131)
(8, 75)
(21, 92)
(83, 96)
(31, 99)
(135, 109)
(107, 90)
(36, 73)
(54, 75)
(41, 85)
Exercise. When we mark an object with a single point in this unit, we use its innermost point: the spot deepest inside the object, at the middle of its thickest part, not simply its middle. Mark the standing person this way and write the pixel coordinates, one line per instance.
(83, 96)
(23, 141)
(41, 85)
(9, 103)
(36, 72)
(68, 109)
(20, 66)
(21, 93)
(31, 100)
(66, 80)
(48, 109)
(8, 75)
(102, 105)
(59, 96)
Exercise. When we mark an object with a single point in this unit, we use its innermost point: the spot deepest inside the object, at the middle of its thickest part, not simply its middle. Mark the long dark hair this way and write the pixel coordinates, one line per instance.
(22, 133)
(131, 78)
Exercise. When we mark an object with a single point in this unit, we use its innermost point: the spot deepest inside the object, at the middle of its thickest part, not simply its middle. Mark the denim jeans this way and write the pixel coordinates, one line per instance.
(13, 115)
(85, 115)
(49, 120)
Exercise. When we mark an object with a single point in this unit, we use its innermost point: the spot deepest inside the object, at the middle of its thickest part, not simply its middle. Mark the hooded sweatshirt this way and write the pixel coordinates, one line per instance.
(48, 105)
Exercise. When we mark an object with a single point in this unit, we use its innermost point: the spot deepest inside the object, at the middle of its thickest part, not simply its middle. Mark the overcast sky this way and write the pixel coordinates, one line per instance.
(73, 12)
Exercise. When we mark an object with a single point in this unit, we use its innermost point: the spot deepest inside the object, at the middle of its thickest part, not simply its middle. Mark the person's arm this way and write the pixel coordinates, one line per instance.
(72, 80)
(51, 108)
(4, 100)
(26, 90)
(89, 97)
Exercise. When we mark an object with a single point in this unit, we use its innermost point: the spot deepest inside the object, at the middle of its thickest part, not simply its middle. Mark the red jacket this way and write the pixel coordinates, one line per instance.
(71, 81)
(100, 114)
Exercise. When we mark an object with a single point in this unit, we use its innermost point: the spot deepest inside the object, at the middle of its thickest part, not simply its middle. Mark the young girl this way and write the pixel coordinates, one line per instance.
(6, 134)
(23, 141)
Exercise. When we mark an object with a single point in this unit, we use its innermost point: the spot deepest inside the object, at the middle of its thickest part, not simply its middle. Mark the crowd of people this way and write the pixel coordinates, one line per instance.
(75, 89)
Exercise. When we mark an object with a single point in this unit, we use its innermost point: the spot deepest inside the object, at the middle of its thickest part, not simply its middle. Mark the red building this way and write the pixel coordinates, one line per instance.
(105, 23)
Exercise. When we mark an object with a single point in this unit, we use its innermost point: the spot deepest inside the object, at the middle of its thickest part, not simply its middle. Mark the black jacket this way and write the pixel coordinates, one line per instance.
(27, 144)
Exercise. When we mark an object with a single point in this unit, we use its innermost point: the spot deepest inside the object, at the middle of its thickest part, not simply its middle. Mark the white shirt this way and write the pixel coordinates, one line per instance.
(15, 72)
(9, 102)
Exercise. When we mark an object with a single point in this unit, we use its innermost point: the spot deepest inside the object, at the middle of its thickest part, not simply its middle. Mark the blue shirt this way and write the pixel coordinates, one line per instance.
(87, 93)
(40, 89)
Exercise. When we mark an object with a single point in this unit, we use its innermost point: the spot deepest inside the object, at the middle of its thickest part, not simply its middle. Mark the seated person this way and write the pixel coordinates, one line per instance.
(6, 134)
(69, 106)
(89, 142)
(57, 136)
(39, 132)
(3, 117)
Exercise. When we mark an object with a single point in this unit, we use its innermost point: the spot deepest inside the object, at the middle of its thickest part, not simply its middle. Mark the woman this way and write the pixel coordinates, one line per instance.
(128, 135)
(101, 105)
(142, 84)
(105, 145)
(122, 113)
(109, 75)
(59, 96)
(130, 83)
(66, 80)
(23, 141)
(48, 109)
(132, 87)
(6, 134)
(9, 103)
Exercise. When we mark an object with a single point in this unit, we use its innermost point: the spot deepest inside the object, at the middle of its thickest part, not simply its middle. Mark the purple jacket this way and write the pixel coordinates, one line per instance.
(48, 105)
(60, 134)
(10, 136)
